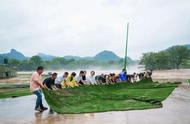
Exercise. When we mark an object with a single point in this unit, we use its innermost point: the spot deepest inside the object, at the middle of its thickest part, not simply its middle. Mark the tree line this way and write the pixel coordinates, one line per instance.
(61, 63)
(174, 57)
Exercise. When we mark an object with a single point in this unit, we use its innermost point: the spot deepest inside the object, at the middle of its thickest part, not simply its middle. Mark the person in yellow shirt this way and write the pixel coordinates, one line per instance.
(70, 81)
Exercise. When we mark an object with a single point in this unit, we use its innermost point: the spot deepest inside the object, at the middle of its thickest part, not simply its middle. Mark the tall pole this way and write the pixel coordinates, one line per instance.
(125, 64)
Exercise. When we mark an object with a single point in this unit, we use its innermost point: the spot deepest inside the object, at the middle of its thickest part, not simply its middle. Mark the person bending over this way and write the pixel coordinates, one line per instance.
(84, 77)
(70, 81)
(81, 79)
(122, 76)
(61, 79)
(49, 82)
(91, 79)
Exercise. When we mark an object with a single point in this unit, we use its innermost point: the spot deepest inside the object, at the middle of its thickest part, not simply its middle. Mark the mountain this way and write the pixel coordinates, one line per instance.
(13, 54)
(102, 56)
(78, 57)
(46, 57)
(110, 56)
(106, 56)
(73, 57)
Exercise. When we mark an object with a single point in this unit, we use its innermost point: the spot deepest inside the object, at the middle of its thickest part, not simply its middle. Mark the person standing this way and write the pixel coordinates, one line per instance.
(35, 87)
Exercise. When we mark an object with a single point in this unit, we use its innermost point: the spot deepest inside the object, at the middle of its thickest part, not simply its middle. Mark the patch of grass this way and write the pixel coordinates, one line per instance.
(116, 97)
(14, 90)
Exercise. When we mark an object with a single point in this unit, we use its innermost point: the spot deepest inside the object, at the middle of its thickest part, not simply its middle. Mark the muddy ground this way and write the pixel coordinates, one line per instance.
(176, 108)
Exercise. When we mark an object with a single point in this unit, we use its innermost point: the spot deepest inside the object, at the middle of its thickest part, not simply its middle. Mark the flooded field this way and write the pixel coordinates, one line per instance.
(24, 76)
(180, 75)
(175, 109)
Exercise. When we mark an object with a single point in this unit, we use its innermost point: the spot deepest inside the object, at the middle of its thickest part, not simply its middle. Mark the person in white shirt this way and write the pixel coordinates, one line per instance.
(91, 78)
(80, 78)
(60, 79)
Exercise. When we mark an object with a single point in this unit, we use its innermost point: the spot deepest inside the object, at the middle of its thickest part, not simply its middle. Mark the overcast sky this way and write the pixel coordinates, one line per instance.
(86, 27)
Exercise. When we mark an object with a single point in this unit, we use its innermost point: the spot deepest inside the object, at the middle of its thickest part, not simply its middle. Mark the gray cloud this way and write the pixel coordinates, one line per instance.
(84, 27)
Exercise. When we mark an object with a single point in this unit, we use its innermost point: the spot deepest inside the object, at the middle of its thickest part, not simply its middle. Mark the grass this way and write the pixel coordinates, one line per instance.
(14, 90)
(116, 97)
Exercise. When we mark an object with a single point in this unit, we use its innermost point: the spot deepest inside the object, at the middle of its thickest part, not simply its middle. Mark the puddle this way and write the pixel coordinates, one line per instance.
(176, 110)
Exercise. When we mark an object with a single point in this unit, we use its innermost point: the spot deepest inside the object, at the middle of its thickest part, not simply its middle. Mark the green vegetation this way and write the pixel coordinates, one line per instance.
(104, 59)
(14, 90)
(116, 97)
(173, 58)
(6, 72)
(60, 63)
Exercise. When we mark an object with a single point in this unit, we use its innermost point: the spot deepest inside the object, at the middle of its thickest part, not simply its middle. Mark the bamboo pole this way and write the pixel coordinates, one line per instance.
(126, 62)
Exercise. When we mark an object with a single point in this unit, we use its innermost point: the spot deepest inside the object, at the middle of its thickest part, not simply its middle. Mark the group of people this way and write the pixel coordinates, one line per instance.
(69, 80)
(54, 82)
(135, 77)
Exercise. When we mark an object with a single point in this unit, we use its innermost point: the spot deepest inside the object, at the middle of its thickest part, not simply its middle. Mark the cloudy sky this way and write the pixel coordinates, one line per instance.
(86, 27)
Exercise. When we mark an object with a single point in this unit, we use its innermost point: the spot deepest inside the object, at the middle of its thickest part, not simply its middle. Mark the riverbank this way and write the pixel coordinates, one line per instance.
(175, 110)
(14, 90)
(19, 86)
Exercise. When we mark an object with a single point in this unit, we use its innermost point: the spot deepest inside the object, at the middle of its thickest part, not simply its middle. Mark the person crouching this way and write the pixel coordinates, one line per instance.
(61, 80)
(70, 81)
(49, 82)
(91, 79)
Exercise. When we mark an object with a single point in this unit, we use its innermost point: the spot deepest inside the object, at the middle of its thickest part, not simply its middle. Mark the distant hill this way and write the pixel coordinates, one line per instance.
(106, 56)
(102, 56)
(14, 55)
(72, 57)
(46, 57)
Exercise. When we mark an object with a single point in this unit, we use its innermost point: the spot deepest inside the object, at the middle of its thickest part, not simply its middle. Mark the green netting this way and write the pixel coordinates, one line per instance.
(115, 97)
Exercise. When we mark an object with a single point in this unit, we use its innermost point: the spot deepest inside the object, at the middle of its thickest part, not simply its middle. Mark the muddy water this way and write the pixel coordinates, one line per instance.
(172, 75)
(24, 76)
(176, 109)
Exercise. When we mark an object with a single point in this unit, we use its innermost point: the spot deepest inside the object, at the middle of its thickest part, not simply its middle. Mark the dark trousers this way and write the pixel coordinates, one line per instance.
(38, 93)
(58, 86)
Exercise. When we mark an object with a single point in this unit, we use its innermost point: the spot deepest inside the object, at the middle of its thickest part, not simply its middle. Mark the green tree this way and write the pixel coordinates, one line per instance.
(14, 62)
(177, 55)
(149, 60)
(35, 61)
(162, 60)
(172, 58)
(25, 66)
